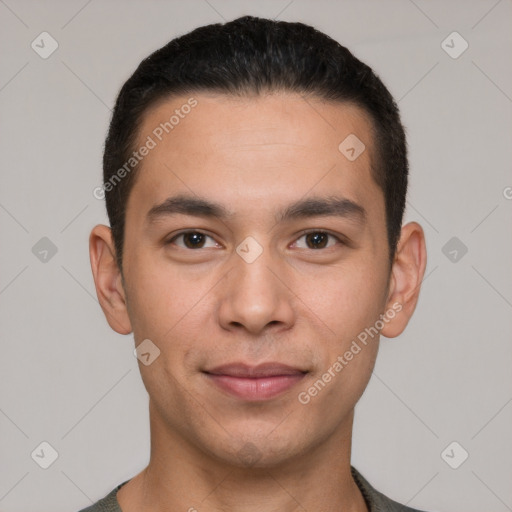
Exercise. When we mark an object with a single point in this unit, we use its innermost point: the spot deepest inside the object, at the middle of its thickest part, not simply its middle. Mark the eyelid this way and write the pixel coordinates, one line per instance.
(186, 232)
(338, 237)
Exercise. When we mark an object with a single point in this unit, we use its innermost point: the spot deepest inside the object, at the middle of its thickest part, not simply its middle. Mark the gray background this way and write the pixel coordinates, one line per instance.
(71, 381)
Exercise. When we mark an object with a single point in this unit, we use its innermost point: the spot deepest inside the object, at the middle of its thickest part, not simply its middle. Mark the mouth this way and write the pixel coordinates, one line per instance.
(255, 383)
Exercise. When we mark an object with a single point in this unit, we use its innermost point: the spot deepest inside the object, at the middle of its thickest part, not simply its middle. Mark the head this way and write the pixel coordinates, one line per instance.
(255, 181)
(250, 57)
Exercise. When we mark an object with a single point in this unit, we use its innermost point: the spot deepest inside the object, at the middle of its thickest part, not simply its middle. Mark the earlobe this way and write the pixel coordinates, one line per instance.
(406, 276)
(107, 279)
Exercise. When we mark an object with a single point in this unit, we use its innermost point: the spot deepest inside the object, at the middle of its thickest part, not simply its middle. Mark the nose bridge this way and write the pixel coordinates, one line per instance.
(254, 296)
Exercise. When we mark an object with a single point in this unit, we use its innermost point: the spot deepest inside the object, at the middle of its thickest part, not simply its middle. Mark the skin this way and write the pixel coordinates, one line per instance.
(295, 304)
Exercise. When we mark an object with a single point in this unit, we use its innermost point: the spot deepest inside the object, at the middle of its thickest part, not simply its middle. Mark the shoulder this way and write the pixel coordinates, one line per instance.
(107, 504)
(375, 500)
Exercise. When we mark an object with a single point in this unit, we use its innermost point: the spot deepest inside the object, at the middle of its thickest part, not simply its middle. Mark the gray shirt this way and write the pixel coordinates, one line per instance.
(375, 501)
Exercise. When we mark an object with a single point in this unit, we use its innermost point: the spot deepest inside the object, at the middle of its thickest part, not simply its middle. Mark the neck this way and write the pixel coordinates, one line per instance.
(181, 477)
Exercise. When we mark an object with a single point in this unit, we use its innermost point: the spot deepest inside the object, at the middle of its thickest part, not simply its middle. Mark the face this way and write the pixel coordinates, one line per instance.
(255, 257)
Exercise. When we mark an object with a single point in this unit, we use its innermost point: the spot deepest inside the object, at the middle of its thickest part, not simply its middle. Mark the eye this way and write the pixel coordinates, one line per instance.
(316, 240)
(193, 240)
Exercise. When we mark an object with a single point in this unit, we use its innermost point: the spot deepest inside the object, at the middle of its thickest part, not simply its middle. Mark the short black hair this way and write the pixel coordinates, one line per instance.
(250, 56)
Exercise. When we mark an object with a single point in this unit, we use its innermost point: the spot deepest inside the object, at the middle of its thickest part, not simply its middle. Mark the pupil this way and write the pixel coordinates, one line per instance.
(193, 239)
(318, 240)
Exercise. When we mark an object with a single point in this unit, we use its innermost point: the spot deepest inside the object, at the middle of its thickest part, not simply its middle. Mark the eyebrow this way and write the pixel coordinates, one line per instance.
(187, 205)
(311, 207)
(323, 207)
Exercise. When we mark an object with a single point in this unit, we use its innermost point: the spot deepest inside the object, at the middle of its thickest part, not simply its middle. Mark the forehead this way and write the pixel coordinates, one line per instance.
(272, 118)
(247, 150)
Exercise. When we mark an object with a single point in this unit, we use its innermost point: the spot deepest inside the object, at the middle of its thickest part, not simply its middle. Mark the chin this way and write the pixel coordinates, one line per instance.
(257, 451)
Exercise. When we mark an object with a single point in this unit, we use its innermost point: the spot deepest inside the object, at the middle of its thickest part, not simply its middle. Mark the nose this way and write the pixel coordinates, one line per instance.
(255, 294)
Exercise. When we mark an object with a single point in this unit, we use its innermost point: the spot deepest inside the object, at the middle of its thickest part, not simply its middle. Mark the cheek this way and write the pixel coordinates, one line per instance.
(346, 299)
(149, 306)
(350, 307)
(332, 394)
(157, 298)
(167, 309)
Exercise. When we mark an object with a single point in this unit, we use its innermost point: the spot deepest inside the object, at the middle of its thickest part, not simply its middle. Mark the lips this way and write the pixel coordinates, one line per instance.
(255, 383)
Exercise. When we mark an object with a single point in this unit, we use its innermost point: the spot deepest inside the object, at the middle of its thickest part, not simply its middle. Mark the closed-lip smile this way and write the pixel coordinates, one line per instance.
(255, 383)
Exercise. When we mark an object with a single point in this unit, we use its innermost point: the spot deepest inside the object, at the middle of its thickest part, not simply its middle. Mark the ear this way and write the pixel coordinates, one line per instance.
(406, 276)
(108, 279)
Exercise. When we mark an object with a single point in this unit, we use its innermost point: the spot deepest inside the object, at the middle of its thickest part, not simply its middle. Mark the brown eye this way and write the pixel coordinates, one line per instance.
(316, 240)
(193, 240)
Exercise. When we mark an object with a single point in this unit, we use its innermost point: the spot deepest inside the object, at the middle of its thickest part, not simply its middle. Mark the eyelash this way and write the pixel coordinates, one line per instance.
(301, 235)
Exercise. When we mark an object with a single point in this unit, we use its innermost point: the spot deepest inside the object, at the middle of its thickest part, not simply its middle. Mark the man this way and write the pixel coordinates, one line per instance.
(255, 176)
